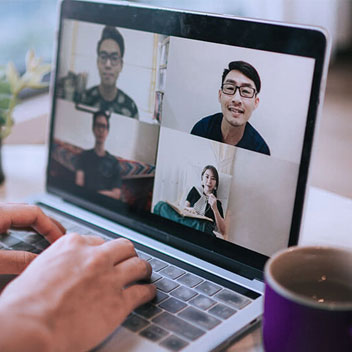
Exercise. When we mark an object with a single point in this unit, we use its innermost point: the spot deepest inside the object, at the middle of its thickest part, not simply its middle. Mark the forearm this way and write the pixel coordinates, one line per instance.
(220, 222)
(79, 178)
(19, 333)
(114, 193)
(190, 209)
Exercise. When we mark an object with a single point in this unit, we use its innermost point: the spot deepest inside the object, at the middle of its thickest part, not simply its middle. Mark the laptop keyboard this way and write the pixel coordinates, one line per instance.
(186, 305)
(23, 241)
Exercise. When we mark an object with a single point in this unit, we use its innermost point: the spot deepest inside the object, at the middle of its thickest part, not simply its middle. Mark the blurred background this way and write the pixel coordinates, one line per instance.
(28, 24)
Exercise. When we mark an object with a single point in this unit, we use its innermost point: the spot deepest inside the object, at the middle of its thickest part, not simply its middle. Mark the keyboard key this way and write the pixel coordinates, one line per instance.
(222, 311)
(32, 238)
(18, 234)
(42, 244)
(148, 310)
(166, 285)
(8, 240)
(155, 277)
(143, 255)
(153, 333)
(157, 265)
(190, 280)
(233, 299)
(172, 272)
(159, 297)
(63, 221)
(202, 302)
(85, 232)
(174, 343)
(183, 293)
(23, 246)
(208, 288)
(199, 318)
(172, 305)
(135, 323)
(178, 326)
(74, 228)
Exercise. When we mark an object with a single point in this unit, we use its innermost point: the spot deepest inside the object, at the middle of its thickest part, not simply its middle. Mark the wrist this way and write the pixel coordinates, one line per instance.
(22, 333)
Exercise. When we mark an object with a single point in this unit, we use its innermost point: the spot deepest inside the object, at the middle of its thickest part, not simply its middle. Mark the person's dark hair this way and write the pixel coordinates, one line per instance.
(112, 33)
(215, 173)
(247, 69)
(101, 113)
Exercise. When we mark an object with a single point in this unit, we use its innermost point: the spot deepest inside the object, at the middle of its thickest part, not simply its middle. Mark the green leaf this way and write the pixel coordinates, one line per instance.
(3, 117)
(5, 87)
(5, 100)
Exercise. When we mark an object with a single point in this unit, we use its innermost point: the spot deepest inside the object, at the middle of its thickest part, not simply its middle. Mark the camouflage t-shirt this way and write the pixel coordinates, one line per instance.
(122, 104)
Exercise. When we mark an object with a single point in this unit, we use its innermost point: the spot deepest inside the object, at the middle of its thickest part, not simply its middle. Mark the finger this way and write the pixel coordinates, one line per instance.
(132, 270)
(24, 215)
(118, 250)
(46, 226)
(58, 224)
(137, 295)
(28, 228)
(14, 262)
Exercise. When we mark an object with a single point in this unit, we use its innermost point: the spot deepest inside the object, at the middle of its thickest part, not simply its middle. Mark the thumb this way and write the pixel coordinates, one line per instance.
(14, 262)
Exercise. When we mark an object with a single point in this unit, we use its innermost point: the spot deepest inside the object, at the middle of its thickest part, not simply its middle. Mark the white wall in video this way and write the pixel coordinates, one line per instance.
(261, 201)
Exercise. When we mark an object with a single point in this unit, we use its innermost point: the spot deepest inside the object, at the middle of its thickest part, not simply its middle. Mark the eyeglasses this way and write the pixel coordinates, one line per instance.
(100, 125)
(245, 92)
(114, 58)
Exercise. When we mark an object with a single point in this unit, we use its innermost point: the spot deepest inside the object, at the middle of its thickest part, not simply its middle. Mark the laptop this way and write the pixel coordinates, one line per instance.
(191, 135)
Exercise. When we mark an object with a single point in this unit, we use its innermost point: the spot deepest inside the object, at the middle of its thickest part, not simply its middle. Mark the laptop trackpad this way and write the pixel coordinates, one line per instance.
(125, 340)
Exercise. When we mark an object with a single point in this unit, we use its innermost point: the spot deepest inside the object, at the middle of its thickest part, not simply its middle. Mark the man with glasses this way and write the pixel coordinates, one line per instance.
(238, 98)
(106, 96)
(97, 169)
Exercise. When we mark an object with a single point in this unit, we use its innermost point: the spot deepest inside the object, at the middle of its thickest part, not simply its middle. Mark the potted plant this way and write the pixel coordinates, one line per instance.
(11, 84)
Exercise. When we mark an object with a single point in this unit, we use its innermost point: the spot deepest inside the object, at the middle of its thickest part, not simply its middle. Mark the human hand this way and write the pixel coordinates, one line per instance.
(113, 193)
(212, 201)
(75, 293)
(190, 210)
(25, 216)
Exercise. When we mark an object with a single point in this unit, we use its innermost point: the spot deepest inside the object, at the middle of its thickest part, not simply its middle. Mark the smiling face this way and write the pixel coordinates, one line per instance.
(236, 109)
(209, 181)
(108, 70)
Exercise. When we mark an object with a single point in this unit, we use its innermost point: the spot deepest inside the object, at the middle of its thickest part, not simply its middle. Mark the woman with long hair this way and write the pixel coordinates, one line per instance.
(203, 201)
(202, 210)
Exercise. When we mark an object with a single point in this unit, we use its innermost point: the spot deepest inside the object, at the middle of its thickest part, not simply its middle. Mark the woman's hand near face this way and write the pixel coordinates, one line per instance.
(212, 200)
(220, 222)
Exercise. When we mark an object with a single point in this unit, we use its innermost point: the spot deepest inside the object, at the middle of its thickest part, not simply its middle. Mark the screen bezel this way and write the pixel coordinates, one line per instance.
(260, 35)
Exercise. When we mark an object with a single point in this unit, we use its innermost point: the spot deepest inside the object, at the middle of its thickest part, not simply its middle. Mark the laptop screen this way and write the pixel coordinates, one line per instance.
(193, 125)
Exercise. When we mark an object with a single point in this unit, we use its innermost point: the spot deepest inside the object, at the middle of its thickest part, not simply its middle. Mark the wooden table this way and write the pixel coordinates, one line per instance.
(327, 220)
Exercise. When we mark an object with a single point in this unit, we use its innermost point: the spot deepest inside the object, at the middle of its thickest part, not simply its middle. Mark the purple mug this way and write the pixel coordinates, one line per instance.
(308, 300)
